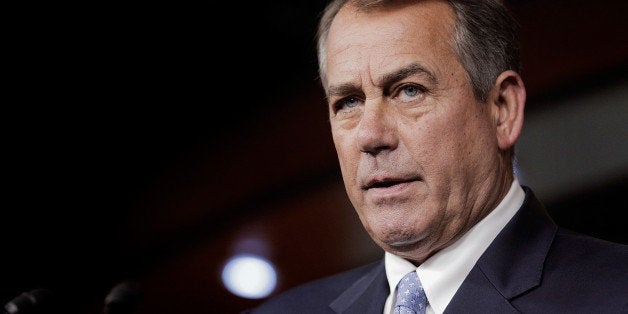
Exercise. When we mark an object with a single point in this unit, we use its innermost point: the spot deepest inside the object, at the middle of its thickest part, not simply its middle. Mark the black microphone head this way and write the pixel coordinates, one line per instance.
(124, 298)
(36, 301)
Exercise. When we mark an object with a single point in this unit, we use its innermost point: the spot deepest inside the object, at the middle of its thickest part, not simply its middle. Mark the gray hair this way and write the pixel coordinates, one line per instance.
(485, 38)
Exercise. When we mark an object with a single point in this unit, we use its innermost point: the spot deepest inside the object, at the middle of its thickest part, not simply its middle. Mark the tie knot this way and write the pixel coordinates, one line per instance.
(411, 298)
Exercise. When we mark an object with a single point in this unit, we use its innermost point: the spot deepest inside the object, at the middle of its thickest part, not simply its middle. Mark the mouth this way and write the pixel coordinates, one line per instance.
(383, 183)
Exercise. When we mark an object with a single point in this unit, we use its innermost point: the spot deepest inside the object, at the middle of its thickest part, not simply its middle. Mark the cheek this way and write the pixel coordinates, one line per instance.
(442, 146)
(432, 142)
(347, 157)
(460, 150)
(342, 149)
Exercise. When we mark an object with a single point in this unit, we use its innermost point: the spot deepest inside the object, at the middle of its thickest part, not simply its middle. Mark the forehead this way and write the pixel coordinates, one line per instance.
(368, 42)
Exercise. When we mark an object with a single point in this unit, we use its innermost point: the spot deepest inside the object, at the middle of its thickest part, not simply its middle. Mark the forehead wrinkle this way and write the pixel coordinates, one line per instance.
(362, 68)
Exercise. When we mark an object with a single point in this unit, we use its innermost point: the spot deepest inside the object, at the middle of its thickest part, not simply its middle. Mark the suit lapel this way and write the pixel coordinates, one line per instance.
(511, 265)
(478, 295)
(367, 295)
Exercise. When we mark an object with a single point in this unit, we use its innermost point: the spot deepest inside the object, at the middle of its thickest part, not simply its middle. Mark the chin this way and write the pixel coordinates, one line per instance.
(400, 239)
(415, 250)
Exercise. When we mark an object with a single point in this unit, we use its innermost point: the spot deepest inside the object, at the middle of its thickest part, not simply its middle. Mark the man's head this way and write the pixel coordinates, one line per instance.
(423, 123)
(485, 38)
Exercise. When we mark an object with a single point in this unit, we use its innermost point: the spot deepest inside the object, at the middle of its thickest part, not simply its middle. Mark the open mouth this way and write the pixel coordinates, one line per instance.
(386, 183)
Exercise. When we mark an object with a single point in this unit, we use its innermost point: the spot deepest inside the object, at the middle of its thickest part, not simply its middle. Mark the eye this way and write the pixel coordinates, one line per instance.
(411, 92)
(346, 103)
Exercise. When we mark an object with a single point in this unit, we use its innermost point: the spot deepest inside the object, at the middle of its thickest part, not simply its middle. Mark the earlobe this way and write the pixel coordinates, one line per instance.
(508, 102)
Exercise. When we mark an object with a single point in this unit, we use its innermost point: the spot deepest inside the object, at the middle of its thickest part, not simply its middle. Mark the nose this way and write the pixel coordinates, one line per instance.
(377, 130)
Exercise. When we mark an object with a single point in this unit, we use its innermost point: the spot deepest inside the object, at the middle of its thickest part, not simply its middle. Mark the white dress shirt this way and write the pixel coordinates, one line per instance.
(442, 274)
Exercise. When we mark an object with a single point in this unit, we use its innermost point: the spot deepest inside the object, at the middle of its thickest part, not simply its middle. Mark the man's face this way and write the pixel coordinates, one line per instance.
(418, 152)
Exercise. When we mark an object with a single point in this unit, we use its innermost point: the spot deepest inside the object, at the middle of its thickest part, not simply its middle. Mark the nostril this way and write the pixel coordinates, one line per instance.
(374, 150)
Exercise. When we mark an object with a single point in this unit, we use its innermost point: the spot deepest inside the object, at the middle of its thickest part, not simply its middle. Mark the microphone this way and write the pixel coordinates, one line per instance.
(124, 298)
(36, 301)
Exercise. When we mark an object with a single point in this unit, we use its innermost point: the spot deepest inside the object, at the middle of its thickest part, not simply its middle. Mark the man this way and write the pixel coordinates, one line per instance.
(425, 105)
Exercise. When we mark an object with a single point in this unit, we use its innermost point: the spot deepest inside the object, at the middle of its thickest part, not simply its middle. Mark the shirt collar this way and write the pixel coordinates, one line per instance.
(442, 274)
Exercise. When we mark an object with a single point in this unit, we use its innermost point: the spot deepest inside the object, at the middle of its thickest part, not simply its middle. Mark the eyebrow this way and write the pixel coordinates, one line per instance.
(342, 89)
(386, 80)
(407, 71)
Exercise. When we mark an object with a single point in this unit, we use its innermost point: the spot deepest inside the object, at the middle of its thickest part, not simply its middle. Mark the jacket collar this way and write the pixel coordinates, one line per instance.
(366, 295)
(512, 264)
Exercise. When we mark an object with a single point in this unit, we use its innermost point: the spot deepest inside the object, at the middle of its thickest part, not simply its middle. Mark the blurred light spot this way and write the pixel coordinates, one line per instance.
(249, 276)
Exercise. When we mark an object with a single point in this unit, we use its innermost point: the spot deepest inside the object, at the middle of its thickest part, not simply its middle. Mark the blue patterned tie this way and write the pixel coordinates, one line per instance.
(411, 298)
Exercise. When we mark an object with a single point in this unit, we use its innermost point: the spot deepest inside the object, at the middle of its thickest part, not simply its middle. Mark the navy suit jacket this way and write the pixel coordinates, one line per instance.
(532, 266)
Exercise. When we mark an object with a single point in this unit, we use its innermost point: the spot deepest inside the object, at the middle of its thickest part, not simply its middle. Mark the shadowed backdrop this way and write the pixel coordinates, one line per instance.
(152, 142)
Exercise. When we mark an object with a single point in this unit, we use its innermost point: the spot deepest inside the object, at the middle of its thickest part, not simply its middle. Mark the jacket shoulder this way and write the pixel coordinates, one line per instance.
(583, 273)
(594, 258)
(314, 296)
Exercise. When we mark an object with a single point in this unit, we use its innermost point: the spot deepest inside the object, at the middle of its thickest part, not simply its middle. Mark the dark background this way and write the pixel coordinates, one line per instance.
(148, 141)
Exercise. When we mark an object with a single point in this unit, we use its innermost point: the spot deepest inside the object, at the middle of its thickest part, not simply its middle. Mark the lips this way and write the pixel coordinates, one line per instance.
(387, 182)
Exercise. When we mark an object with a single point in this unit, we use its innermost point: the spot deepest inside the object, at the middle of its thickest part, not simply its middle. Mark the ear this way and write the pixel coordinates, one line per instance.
(507, 100)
